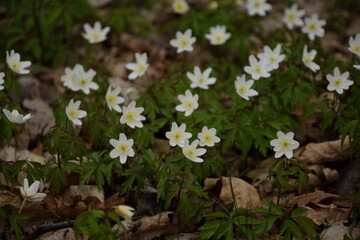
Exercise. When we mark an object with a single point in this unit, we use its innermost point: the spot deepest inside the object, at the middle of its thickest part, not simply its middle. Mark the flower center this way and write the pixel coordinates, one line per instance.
(15, 65)
(285, 144)
(111, 99)
(218, 38)
(357, 48)
(184, 42)
(130, 116)
(122, 148)
(207, 138)
(257, 4)
(307, 59)
(190, 153)
(177, 136)
(72, 112)
(179, 6)
(140, 67)
(291, 16)
(312, 27)
(201, 79)
(83, 82)
(189, 105)
(96, 36)
(272, 59)
(337, 83)
(257, 69)
(242, 90)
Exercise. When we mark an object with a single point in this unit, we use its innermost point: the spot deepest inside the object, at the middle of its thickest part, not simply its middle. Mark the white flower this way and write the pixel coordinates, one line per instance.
(16, 117)
(139, 68)
(292, 17)
(177, 135)
(132, 115)
(183, 41)
(188, 104)
(308, 59)
(257, 69)
(84, 80)
(191, 151)
(69, 77)
(124, 211)
(200, 79)
(180, 6)
(272, 58)
(2, 75)
(284, 144)
(14, 63)
(339, 81)
(122, 148)
(243, 87)
(314, 27)
(357, 67)
(354, 44)
(95, 34)
(218, 35)
(30, 193)
(73, 112)
(113, 99)
(208, 137)
(257, 7)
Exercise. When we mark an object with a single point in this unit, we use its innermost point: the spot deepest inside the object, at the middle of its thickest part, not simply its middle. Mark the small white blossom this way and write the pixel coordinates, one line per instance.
(354, 44)
(243, 87)
(139, 68)
(14, 63)
(357, 67)
(113, 100)
(308, 59)
(208, 137)
(272, 58)
(191, 151)
(183, 41)
(31, 193)
(16, 117)
(122, 148)
(2, 75)
(257, 7)
(95, 34)
(314, 27)
(257, 68)
(177, 135)
(188, 104)
(218, 35)
(284, 144)
(73, 112)
(77, 79)
(201, 79)
(339, 81)
(292, 17)
(84, 80)
(180, 6)
(124, 211)
(132, 115)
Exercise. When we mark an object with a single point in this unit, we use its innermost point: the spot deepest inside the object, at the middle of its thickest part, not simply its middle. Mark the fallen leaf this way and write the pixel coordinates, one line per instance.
(337, 232)
(331, 151)
(83, 191)
(246, 196)
(62, 234)
(8, 198)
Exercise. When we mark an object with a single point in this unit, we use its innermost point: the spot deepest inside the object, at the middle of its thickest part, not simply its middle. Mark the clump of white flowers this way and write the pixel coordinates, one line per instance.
(78, 79)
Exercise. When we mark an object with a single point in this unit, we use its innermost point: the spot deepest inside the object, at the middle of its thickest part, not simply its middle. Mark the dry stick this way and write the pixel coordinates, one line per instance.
(41, 229)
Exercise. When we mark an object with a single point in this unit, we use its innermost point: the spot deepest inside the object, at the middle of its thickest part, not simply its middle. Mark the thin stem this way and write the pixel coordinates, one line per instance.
(22, 205)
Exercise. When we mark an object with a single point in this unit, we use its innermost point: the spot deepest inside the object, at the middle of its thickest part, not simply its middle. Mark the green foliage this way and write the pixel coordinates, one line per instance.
(97, 225)
(8, 215)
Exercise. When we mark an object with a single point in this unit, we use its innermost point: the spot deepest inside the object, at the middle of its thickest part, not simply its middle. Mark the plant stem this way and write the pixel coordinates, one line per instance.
(22, 205)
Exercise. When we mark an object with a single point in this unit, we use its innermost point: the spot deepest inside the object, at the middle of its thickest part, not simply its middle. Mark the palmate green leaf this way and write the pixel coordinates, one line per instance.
(289, 229)
(307, 226)
(13, 221)
(303, 180)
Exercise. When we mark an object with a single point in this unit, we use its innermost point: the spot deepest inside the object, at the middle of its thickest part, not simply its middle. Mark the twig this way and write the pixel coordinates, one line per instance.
(41, 229)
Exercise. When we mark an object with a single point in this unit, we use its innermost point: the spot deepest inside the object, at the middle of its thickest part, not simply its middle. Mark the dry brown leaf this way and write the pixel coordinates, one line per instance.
(331, 151)
(7, 154)
(8, 198)
(246, 196)
(83, 191)
(337, 232)
(62, 234)
(313, 197)
(43, 119)
(147, 228)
